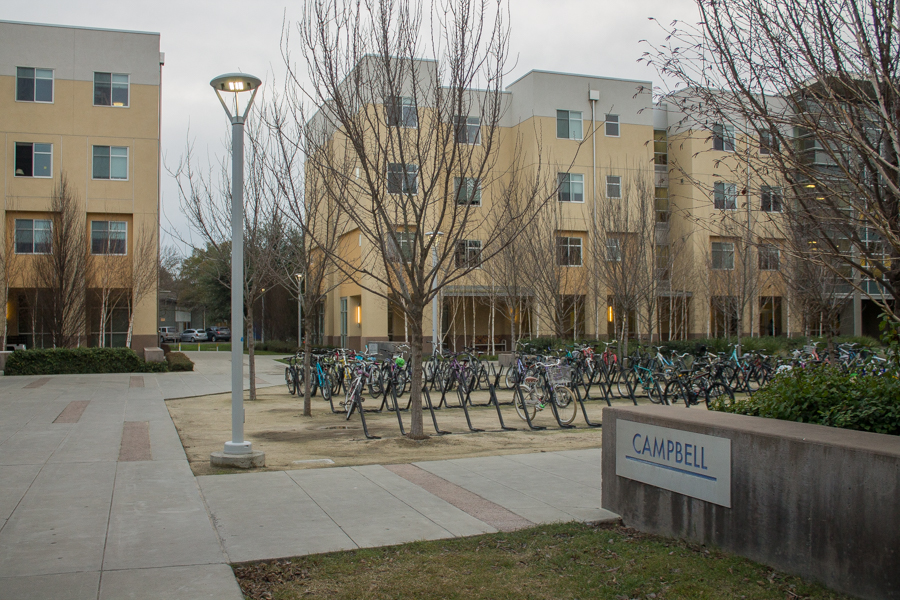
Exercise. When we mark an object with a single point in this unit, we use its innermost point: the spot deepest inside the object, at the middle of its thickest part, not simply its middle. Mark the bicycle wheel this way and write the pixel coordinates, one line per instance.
(627, 383)
(530, 399)
(654, 392)
(326, 387)
(719, 392)
(289, 380)
(674, 393)
(401, 382)
(376, 383)
(511, 378)
(566, 404)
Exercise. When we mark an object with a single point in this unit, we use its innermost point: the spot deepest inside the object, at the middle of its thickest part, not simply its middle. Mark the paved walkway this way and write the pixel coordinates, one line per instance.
(97, 499)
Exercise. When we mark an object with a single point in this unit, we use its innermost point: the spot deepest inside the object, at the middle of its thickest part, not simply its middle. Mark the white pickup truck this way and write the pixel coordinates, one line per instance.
(167, 335)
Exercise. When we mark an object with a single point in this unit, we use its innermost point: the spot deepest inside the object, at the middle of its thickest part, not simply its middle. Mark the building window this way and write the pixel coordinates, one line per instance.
(110, 162)
(568, 251)
(769, 257)
(768, 142)
(660, 148)
(110, 89)
(402, 250)
(401, 112)
(770, 199)
(612, 125)
(662, 262)
(468, 129)
(34, 85)
(571, 187)
(109, 237)
(467, 191)
(613, 186)
(468, 254)
(725, 196)
(402, 179)
(34, 160)
(568, 124)
(722, 256)
(33, 236)
(723, 137)
(613, 250)
(661, 197)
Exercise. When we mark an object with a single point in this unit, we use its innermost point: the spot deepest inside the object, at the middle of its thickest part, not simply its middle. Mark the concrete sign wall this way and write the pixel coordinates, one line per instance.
(689, 463)
(816, 501)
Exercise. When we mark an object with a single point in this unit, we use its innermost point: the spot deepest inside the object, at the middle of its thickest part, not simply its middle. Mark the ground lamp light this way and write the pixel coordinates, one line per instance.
(238, 452)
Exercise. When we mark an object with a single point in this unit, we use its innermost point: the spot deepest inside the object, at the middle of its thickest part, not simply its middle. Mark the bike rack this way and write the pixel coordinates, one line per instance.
(584, 410)
(357, 407)
(496, 404)
(462, 404)
(427, 397)
(531, 425)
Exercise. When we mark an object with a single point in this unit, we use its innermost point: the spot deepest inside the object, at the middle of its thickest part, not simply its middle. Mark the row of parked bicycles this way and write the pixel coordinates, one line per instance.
(558, 380)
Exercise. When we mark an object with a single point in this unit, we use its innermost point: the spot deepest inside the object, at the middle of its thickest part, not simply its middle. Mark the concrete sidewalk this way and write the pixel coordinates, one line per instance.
(97, 499)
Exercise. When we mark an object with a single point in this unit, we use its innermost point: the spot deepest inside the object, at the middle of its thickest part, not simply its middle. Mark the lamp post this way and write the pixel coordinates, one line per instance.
(238, 452)
(299, 277)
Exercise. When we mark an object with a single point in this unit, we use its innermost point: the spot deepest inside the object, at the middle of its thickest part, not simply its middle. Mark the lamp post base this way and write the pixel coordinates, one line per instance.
(238, 456)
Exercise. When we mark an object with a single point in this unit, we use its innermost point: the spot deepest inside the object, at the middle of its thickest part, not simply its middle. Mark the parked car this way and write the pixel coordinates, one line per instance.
(193, 335)
(168, 334)
(216, 334)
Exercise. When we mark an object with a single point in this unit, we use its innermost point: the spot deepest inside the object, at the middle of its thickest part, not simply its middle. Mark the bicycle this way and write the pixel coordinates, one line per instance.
(552, 386)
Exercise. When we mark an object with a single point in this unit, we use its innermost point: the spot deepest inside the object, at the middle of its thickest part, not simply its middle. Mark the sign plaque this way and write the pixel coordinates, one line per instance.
(681, 461)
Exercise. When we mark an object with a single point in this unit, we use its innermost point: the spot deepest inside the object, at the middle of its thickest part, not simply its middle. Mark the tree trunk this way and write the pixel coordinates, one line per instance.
(416, 428)
(104, 300)
(307, 371)
(251, 356)
(130, 327)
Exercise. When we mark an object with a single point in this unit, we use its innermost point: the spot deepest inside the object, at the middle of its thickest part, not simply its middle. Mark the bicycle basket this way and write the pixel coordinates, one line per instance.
(559, 375)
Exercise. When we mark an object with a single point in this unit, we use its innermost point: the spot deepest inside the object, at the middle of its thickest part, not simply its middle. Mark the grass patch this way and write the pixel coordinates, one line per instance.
(554, 561)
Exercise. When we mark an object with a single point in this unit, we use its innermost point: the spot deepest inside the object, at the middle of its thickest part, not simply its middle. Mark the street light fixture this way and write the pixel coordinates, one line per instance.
(238, 452)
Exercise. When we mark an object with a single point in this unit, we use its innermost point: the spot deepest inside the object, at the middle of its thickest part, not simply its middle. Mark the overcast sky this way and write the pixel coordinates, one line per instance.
(205, 39)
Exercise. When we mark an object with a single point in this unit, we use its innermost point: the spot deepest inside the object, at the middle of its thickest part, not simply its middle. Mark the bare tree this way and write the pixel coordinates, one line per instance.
(62, 274)
(144, 276)
(555, 269)
(303, 265)
(814, 87)
(412, 141)
(625, 251)
(207, 204)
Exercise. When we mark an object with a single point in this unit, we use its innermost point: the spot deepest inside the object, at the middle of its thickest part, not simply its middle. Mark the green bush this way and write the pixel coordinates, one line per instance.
(277, 346)
(60, 361)
(825, 395)
(178, 361)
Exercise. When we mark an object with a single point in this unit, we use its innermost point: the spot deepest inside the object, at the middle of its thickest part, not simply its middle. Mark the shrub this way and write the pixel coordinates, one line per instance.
(178, 361)
(277, 346)
(61, 361)
(825, 395)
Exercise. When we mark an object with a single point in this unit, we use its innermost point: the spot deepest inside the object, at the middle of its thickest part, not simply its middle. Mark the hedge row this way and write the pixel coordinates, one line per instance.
(64, 361)
(178, 361)
(825, 395)
(766, 345)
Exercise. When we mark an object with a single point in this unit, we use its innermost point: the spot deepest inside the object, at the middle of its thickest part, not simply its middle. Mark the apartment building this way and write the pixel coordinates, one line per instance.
(81, 105)
(654, 228)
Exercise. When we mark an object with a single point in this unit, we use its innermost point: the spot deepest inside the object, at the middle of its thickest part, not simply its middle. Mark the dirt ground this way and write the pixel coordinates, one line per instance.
(275, 425)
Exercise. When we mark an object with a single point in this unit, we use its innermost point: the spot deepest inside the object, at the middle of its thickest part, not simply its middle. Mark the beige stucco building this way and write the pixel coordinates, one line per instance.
(628, 174)
(83, 103)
